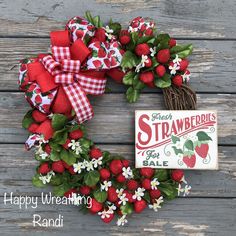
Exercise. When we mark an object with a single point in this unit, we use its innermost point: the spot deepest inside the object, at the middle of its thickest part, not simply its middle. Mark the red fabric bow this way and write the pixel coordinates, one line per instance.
(63, 67)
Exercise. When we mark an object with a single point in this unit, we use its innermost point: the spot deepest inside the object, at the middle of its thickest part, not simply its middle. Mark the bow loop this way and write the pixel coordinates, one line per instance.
(60, 53)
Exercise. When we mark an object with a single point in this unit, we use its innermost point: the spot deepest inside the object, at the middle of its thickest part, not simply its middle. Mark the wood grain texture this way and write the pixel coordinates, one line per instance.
(213, 64)
(114, 117)
(189, 19)
(194, 217)
(14, 159)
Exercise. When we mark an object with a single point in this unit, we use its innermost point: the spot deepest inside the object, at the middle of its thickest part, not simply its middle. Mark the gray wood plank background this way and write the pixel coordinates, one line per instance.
(210, 26)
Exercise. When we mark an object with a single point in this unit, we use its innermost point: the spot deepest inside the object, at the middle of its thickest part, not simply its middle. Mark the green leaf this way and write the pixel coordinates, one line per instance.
(132, 94)
(189, 144)
(56, 180)
(127, 208)
(60, 136)
(175, 139)
(147, 197)
(66, 157)
(177, 150)
(54, 155)
(91, 178)
(203, 136)
(169, 190)
(58, 121)
(144, 39)
(161, 174)
(116, 27)
(100, 196)
(182, 50)
(129, 77)
(60, 189)
(27, 120)
(129, 60)
(37, 182)
(163, 38)
(163, 82)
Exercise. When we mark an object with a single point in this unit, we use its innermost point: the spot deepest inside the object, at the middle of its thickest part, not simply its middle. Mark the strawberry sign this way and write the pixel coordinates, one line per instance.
(176, 139)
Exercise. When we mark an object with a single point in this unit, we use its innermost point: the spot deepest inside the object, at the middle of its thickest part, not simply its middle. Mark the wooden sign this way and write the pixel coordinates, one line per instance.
(176, 139)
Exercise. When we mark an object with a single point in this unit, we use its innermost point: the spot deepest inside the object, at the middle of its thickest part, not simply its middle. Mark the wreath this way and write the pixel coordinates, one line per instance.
(56, 85)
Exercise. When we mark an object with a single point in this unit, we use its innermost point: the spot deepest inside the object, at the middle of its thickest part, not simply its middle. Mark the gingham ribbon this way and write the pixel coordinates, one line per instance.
(66, 72)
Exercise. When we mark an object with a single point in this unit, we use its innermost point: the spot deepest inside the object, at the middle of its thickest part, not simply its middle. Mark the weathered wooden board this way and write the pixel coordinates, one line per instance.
(114, 117)
(196, 216)
(14, 159)
(213, 64)
(189, 19)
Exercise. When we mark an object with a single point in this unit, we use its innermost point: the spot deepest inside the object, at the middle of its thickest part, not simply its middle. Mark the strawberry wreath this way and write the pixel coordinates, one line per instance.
(57, 86)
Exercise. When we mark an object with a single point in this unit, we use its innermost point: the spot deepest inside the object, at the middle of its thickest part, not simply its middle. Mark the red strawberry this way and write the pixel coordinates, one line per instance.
(183, 65)
(101, 53)
(129, 196)
(47, 149)
(147, 172)
(142, 49)
(85, 190)
(132, 184)
(95, 153)
(65, 165)
(155, 194)
(57, 166)
(160, 70)
(172, 42)
(71, 170)
(124, 37)
(108, 220)
(79, 33)
(46, 129)
(146, 183)
(44, 168)
(190, 161)
(202, 150)
(38, 99)
(120, 178)
(76, 134)
(65, 145)
(146, 77)
(148, 63)
(116, 166)
(177, 175)
(100, 34)
(104, 174)
(163, 56)
(95, 206)
(33, 127)
(149, 32)
(125, 163)
(69, 193)
(151, 84)
(97, 63)
(140, 206)
(39, 116)
(112, 195)
(177, 80)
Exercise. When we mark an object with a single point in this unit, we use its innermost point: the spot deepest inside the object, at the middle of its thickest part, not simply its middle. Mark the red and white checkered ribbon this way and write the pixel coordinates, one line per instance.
(76, 86)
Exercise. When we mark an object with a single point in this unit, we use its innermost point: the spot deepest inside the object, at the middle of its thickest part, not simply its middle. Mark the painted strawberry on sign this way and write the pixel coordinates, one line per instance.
(201, 146)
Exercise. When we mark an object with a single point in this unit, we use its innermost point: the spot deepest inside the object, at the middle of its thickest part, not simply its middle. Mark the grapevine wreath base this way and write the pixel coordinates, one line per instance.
(56, 86)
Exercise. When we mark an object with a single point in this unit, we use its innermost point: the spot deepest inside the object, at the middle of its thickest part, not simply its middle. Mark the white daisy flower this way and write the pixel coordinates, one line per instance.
(153, 51)
(187, 189)
(156, 205)
(109, 32)
(111, 208)
(46, 178)
(41, 152)
(75, 146)
(154, 184)
(104, 214)
(119, 191)
(139, 193)
(122, 221)
(173, 69)
(78, 167)
(123, 199)
(186, 76)
(177, 60)
(106, 185)
(97, 162)
(144, 60)
(88, 165)
(131, 29)
(127, 172)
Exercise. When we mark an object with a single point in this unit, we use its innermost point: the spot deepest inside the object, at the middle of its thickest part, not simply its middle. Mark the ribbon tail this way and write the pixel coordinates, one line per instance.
(79, 102)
